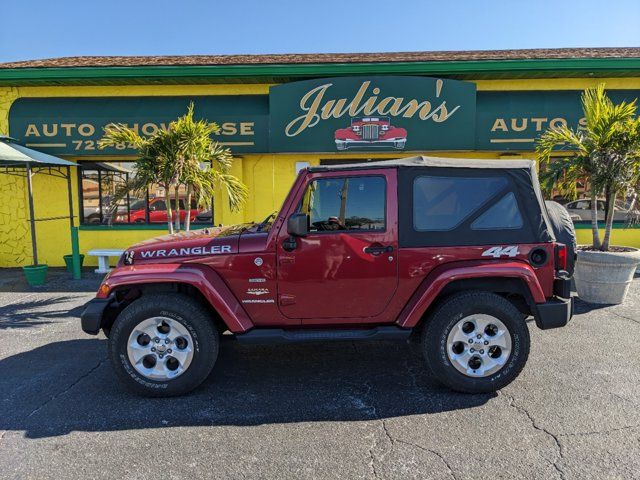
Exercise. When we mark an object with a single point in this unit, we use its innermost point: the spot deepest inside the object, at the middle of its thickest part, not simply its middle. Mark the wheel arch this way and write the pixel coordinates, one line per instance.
(198, 282)
(515, 281)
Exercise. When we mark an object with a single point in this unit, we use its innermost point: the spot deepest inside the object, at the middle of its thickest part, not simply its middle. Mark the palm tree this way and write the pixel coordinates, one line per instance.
(172, 158)
(606, 152)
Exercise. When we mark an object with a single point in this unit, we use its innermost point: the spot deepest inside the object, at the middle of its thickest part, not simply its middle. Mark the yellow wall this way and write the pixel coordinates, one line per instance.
(268, 176)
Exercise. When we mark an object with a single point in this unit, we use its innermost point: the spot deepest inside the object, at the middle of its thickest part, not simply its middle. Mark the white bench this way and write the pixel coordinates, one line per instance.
(103, 255)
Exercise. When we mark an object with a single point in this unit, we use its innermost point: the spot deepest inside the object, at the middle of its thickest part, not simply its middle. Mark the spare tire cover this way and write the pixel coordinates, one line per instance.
(563, 230)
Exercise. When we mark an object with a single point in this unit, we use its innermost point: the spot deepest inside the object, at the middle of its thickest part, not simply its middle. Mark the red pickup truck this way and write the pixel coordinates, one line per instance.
(454, 253)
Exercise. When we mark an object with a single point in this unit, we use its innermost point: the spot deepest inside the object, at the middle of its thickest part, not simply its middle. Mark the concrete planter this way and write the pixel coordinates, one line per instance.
(604, 277)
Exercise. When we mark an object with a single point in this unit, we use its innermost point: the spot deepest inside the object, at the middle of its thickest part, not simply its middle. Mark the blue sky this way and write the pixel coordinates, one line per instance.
(44, 28)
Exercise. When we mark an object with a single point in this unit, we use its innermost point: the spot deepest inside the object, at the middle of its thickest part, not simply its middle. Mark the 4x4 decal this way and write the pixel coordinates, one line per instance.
(497, 252)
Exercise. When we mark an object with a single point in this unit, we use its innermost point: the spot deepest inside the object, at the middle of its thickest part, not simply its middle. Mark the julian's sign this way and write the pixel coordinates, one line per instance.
(371, 113)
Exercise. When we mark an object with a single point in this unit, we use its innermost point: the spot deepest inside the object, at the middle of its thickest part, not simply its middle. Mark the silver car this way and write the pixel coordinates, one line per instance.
(582, 209)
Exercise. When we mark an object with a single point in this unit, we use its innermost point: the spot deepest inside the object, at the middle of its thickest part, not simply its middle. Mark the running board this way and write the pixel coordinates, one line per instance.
(259, 336)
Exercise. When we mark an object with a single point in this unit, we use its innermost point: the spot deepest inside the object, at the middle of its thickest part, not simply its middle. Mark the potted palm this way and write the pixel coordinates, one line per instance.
(605, 153)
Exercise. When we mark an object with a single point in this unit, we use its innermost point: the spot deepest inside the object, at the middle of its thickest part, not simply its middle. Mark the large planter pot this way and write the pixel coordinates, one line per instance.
(68, 261)
(35, 274)
(604, 277)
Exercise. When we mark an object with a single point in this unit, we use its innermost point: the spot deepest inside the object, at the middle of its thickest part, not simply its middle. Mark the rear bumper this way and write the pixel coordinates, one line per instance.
(558, 310)
(91, 318)
(554, 313)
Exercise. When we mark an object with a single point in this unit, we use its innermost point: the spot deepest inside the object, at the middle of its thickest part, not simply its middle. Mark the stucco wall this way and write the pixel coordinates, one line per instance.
(268, 176)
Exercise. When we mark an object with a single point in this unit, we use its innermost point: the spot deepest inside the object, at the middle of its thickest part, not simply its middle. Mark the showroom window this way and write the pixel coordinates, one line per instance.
(101, 183)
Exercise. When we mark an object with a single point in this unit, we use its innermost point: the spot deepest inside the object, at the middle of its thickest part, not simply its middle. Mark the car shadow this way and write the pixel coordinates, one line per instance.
(69, 386)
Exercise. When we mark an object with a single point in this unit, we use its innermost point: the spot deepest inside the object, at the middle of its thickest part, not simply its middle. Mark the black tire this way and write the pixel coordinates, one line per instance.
(448, 314)
(181, 308)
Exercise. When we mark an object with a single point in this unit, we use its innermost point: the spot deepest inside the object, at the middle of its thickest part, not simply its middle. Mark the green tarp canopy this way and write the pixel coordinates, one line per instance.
(15, 157)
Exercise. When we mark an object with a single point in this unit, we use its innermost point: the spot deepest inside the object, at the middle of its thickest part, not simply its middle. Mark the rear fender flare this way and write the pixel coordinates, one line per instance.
(438, 279)
(201, 277)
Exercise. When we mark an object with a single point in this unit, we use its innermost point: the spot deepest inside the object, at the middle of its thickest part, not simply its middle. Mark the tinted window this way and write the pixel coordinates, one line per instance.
(442, 203)
(354, 203)
(504, 214)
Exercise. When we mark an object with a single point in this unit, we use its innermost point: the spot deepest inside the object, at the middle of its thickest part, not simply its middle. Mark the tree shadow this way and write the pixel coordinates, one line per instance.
(58, 280)
(69, 386)
(35, 312)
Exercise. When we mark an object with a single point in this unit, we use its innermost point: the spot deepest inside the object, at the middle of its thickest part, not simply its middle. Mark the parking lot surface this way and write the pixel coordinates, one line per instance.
(342, 410)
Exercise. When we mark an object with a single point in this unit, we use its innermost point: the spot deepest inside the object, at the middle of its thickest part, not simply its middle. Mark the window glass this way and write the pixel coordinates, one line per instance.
(442, 203)
(580, 205)
(354, 203)
(503, 215)
(103, 200)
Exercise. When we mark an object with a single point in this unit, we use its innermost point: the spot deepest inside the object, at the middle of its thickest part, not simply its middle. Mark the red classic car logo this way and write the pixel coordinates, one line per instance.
(370, 132)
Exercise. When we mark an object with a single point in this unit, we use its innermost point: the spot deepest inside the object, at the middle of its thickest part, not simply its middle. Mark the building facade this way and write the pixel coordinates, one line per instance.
(277, 114)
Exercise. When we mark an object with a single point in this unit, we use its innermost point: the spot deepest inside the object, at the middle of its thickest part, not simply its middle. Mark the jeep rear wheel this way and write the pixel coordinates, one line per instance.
(476, 342)
(163, 345)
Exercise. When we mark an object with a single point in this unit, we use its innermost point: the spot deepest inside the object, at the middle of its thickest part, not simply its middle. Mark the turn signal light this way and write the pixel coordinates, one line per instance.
(561, 256)
(103, 291)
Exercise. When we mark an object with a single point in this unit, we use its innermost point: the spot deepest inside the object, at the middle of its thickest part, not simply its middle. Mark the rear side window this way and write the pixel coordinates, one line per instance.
(504, 214)
(442, 203)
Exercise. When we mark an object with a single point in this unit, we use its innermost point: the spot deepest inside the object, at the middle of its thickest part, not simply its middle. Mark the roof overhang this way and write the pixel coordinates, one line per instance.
(277, 73)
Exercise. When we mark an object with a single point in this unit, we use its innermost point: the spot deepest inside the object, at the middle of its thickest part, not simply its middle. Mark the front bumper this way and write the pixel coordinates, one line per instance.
(91, 317)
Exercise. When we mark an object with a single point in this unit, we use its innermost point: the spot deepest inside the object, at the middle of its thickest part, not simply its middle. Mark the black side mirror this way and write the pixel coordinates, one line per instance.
(298, 225)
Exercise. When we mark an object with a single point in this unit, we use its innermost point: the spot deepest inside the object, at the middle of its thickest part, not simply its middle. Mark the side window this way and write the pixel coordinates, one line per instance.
(504, 214)
(346, 203)
(442, 203)
(581, 205)
(159, 205)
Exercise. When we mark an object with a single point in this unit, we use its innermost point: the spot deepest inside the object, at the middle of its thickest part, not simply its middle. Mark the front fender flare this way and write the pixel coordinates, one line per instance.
(433, 284)
(201, 277)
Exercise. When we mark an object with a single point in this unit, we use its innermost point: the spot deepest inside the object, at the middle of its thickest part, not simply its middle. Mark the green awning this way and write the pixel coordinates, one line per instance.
(12, 154)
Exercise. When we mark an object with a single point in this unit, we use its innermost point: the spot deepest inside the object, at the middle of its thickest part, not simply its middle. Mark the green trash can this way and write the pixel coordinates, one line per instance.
(68, 261)
(35, 274)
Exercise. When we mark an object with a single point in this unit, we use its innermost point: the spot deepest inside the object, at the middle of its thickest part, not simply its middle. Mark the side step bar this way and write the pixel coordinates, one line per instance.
(261, 336)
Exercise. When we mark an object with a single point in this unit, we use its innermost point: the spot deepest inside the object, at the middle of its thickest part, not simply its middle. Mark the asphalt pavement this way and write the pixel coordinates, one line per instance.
(342, 410)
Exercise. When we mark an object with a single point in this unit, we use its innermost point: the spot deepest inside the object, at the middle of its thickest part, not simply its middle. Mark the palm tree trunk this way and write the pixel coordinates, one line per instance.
(609, 223)
(594, 219)
(177, 207)
(187, 207)
(167, 200)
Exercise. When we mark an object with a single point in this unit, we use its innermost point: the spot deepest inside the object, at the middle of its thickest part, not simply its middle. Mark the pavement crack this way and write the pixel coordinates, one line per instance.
(437, 454)
(78, 380)
(599, 432)
(534, 424)
(625, 317)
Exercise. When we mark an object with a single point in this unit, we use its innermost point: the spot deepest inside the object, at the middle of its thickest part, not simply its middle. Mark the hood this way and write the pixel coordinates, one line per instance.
(187, 245)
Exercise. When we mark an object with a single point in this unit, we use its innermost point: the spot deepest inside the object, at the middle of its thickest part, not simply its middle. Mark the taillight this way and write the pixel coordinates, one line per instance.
(561, 256)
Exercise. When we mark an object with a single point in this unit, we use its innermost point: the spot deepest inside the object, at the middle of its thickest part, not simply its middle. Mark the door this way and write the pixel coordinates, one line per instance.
(346, 267)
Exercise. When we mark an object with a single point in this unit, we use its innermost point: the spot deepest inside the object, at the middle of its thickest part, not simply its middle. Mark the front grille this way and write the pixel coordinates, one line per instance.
(370, 132)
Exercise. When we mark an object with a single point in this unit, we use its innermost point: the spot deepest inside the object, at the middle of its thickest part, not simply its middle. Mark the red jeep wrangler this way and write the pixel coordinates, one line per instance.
(457, 251)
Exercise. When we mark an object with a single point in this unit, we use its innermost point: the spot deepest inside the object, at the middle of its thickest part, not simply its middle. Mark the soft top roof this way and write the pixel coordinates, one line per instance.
(437, 162)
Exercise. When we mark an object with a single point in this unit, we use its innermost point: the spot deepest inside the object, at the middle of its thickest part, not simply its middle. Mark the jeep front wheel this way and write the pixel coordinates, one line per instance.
(476, 342)
(163, 345)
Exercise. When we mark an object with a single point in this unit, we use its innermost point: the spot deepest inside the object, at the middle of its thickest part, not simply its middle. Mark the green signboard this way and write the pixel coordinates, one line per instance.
(513, 120)
(372, 113)
(350, 114)
(73, 126)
